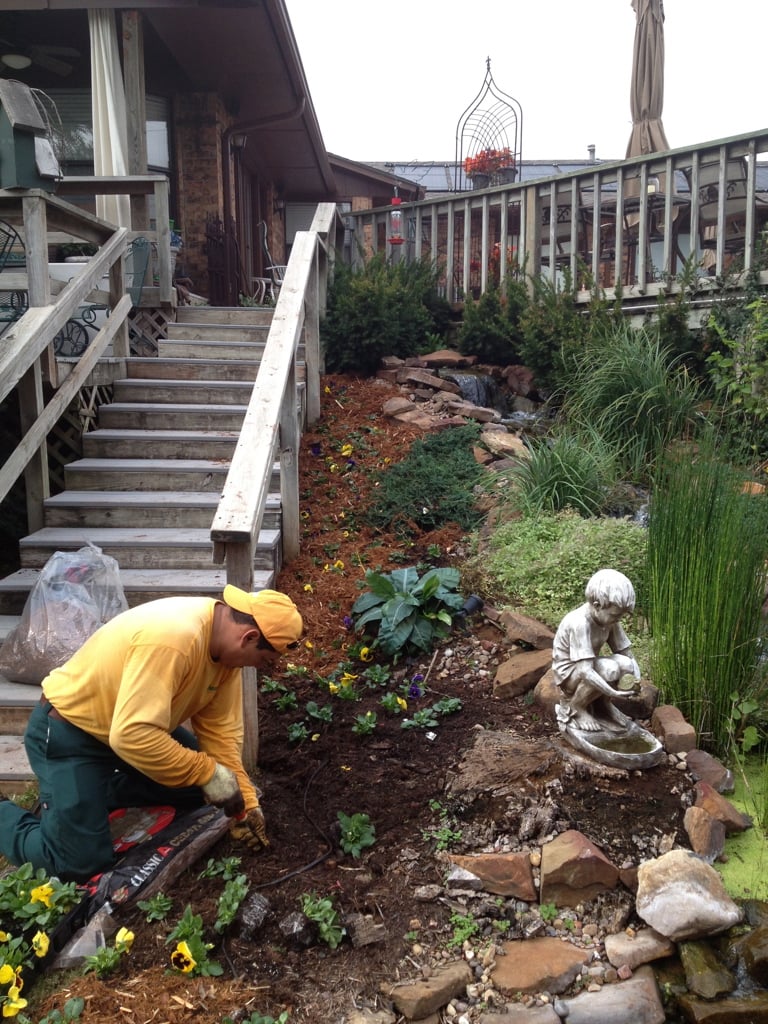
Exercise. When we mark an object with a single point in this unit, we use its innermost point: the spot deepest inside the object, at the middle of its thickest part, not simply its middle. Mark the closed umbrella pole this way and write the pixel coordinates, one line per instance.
(647, 88)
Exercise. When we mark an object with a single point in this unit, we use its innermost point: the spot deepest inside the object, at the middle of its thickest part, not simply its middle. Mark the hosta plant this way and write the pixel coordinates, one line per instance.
(410, 612)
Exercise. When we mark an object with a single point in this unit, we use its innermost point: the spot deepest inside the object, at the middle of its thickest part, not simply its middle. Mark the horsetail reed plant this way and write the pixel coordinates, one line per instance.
(707, 547)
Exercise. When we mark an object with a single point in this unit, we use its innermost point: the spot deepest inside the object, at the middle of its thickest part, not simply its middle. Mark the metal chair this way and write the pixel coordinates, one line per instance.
(276, 271)
(13, 302)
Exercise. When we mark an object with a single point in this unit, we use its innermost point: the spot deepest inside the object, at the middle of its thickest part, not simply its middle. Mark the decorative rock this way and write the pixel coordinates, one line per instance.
(363, 930)
(573, 870)
(427, 378)
(519, 1014)
(503, 443)
(751, 1009)
(462, 878)
(298, 930)
(522, 627)
(503, 874)
(754, 949)
(521, 673)
(705, 768)
(252, 915)
(421, 998)
(538, 965)
(641, 948)
(670, 726)
(396, 406)
(370, 1017)
(705, 975)
(723, 810)
(639, 705)
(447, 357)
(547, 692)
(705, 833)
(635, 1001)
(682, 897)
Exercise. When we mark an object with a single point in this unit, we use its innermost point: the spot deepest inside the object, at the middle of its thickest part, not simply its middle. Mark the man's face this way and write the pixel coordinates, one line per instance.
(247, 651)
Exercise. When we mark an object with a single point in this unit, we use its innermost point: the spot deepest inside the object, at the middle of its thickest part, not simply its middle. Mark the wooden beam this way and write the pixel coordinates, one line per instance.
(136, 109)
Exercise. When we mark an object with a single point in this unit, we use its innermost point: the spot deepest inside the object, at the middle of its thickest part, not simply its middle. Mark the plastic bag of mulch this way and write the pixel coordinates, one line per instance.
(75, 593)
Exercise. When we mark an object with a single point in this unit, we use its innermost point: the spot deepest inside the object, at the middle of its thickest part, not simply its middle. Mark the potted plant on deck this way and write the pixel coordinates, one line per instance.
(487, 165)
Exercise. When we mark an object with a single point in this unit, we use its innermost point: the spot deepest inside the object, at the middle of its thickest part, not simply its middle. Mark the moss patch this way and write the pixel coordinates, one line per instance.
(745, 874)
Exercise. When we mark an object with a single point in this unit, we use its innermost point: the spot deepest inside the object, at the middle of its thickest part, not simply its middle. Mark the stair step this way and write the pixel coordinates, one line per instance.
(173, 368)
(190, 349)
(168, 509)
(16, 703)
(208, 392)
(149, 474)
(162, 444)
(225, 314)
(154, 416)
(144, 549)
(140, 585)
(216, 332)
(15, 773)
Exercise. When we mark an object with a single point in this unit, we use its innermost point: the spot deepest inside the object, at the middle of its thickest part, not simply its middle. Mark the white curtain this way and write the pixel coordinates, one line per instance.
(110, 148)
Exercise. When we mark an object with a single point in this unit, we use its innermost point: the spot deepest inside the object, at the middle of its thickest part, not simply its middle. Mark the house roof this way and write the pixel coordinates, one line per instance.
(351, 175)
(243, 50)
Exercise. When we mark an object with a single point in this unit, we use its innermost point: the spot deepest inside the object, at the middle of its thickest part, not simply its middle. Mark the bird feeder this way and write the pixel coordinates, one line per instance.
(396, 222)
(27, 159)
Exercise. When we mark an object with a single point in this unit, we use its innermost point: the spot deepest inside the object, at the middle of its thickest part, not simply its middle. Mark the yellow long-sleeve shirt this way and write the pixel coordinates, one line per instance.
(140, 676)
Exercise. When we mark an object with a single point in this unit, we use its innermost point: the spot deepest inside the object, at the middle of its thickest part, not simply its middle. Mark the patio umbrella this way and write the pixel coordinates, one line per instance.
(109, 116)
(646, 96)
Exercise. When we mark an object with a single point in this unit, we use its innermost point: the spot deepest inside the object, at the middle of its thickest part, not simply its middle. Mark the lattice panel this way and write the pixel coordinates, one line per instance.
(65, 439)
(146, 326)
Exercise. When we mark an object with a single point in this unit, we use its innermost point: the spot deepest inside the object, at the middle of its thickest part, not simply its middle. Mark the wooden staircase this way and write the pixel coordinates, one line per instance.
(147, 486)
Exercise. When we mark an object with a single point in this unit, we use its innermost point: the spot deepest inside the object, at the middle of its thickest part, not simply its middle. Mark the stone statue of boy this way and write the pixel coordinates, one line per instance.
(586, 679)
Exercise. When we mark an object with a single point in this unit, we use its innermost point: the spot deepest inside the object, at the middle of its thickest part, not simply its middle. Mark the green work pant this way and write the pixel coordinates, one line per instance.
(81, 781)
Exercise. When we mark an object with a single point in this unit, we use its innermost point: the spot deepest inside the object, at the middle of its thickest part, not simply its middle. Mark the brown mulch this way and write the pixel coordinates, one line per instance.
(397, 776)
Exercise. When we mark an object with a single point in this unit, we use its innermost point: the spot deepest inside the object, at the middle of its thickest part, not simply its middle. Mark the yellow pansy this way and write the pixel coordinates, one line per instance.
(347, 679)
(347, 449)
(315, 737)
(182, 959)
(124, 940)
(7, 974)
(309, 645)
(308, 588)
(42, 894)
(13, 1002)
(366, 654)
(40, 943)
(5, 936)
(333, 688)
(403, 703)
(338, 564)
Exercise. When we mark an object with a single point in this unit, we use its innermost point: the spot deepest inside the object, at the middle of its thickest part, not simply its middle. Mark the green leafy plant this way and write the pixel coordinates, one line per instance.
(357, 833)
(376, 675)
(547, 911)
(297, 732)
(191, 953)
(106, 959)
(235, 891)
(157, 907)
(321, 714)
(72, 1010)
(365, 724)
(409, 612)
(443, 835)
(33, 899)
(447, 706)
(227, 868)
(424, 718)
(286, 701)
(322, 911)
(465, 927)
(392, 703)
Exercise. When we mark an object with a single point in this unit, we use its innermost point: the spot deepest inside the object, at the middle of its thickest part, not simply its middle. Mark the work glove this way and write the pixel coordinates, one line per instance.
(223, 790)
(250, 829)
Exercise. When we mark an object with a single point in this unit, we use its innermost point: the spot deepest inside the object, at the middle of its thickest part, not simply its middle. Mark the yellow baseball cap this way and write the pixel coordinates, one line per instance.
(274, 613)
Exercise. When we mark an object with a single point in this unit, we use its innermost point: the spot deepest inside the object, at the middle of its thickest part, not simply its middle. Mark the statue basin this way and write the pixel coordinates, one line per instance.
(630, 747)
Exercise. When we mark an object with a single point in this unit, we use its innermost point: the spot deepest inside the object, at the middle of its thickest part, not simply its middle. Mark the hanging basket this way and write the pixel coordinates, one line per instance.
(506, 175)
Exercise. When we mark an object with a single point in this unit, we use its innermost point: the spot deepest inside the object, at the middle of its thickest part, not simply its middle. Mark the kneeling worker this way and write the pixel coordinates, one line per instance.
(108, 732)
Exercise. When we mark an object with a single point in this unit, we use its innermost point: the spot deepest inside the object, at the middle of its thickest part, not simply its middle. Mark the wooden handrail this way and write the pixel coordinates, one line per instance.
(272, 424)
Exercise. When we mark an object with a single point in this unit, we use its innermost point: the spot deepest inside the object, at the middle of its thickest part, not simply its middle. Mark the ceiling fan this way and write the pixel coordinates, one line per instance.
(50, 58)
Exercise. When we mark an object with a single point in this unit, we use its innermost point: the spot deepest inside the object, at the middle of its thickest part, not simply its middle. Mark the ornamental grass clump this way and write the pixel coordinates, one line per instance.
(627, 388)
(707, 550)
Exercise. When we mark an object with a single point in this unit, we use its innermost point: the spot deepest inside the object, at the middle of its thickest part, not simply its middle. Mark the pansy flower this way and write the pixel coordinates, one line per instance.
(182, 959)
(42, 894)
(124, 940)
(40, 943)
(13, 1002)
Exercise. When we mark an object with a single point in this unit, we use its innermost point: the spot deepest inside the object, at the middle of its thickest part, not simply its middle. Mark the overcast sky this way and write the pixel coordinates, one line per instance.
(389, 81)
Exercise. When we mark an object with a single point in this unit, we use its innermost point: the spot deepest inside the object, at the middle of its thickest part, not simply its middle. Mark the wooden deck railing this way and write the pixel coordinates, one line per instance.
(631, 224)
(26, 354)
